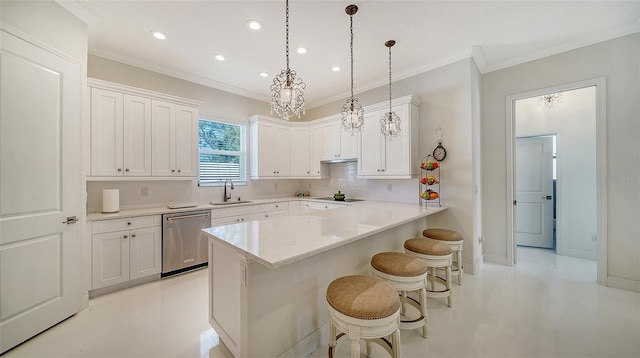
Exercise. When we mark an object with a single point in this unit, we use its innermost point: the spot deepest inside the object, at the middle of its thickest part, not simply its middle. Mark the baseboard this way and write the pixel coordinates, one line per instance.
(473, 268)
(496, 259)
(122, 286)
(623, 283)
(310, 344)
(580, 254)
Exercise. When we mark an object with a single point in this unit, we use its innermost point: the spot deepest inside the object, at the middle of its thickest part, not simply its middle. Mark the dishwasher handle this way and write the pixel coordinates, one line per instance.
(171, 218)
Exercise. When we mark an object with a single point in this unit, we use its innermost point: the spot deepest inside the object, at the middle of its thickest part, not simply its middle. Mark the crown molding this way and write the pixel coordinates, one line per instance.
(79, 11)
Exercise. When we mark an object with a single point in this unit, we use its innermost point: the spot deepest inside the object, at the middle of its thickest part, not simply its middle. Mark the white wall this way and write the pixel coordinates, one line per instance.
(618, 60)
(574, 122)
(449, 99)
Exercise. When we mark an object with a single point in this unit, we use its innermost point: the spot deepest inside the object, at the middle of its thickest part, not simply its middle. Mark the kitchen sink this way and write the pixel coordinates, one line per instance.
(230, 202)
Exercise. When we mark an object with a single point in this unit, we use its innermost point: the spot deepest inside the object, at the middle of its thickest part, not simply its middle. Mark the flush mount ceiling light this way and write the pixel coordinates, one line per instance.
(287, 91)
(548, 100)
(264, 74)
(390, 122)
(335, 68)
(219, 57)
(352, 113)
(301, 50)
(254, 25)
(159, 35)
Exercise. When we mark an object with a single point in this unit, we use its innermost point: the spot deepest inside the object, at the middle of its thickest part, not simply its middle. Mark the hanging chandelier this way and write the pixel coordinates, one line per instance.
(352, 112)
(287, 91)
(547, 100)
(390, 122)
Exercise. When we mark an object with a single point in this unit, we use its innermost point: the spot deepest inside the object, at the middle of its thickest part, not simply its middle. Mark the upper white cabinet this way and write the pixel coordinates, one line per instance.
(337, 144)
(120, 134)
(315, 151)
(270, 149)
(174, 139)
(300, 152)
(139, 133)
(389, 158)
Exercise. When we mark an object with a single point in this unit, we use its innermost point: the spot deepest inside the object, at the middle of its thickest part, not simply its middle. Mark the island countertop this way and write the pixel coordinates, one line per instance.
(283, 240)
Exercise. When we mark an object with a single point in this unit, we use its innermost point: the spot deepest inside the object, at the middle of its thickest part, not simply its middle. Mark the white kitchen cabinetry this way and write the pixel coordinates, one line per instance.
(300, 152)
(275, 209)
(235, 215)
(174, 139)
(270, 149)
(337, 144)
(120, 134)
(389, 158)
(126, 249)
(137, 133)
(314, 206)
(315, 152)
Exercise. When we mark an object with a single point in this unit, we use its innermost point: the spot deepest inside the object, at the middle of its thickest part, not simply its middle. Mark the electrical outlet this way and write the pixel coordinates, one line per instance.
(389, 187)
(144, 191)
(275, 186)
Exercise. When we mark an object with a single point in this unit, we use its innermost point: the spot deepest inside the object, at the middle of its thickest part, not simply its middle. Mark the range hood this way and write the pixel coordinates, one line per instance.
(339, 160)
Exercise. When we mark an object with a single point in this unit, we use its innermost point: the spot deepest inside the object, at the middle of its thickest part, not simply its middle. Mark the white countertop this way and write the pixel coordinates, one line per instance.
(282, 240)
(165, 209)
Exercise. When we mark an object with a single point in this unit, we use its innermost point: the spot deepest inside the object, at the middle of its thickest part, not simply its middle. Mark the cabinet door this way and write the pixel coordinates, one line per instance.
(186, 141)
(300, 152)
(283, 151)
(397, 158)
(145, 252)
(137, 136)
(275, 214)
(348, 143)
(266, 154)
(315, 151)
(370, 151)
(106, 133)
(329, 140)
(110, 254)
(163, 117)
(224, 221)
(305, 207)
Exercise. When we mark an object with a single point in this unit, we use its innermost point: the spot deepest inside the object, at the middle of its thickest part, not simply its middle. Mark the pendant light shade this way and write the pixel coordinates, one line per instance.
(287, 90)
(352, 113)
(390, 122)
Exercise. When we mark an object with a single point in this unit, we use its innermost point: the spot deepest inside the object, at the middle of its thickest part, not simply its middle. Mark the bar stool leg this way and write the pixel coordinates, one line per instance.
(355, 347)
(459, 266)
(423, 309)
(369, 348)
(403, 303)
(448, 279)
(395, 342)
(332, 335)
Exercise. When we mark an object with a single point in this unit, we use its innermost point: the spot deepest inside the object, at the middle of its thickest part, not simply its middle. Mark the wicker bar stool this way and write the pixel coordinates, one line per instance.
(437, 256)
(455, 240)
(364, 307)
(406, 273)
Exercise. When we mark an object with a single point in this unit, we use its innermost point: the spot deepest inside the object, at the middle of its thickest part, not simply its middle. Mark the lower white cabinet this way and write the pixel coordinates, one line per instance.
(275, 209)
(125, 249)
(313, 206)
(236, 214)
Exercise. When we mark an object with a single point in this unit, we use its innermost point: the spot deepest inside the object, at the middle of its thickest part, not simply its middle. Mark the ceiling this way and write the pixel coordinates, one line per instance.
(428, 34)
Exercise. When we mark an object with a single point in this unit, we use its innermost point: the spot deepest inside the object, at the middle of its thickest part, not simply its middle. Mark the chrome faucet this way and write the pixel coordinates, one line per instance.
(226, 198)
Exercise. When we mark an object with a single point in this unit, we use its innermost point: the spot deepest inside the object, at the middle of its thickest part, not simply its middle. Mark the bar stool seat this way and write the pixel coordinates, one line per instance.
(455, 240)
(436, 255)
(364, 307)
(406, 273)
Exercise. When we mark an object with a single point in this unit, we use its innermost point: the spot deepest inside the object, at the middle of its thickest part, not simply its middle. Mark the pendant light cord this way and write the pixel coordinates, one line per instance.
(351, 29)
(287, 32)
(389, 81)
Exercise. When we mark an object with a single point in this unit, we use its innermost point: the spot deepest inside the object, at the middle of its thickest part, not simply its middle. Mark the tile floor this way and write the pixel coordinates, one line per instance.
(547, 306)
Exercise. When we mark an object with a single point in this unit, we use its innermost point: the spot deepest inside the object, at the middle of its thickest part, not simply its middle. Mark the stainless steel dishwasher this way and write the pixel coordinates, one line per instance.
(184, 245)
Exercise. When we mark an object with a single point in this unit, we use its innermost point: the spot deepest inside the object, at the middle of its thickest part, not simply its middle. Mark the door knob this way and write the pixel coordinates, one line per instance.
(71, 220)
(548, 197)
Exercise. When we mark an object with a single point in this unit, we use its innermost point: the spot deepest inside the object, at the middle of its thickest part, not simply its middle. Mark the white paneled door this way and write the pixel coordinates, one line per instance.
(40, 189)
(534, 190)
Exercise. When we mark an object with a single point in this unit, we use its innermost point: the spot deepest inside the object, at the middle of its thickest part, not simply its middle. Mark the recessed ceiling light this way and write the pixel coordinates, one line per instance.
(159, 35)
(219, 57)
(301, 50)
(335, 68)
(254, 24)
(264, 74)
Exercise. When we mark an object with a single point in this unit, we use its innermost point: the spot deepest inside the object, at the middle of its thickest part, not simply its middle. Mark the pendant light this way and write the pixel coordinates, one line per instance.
(390, 122)
(287, 91)
(352, 112)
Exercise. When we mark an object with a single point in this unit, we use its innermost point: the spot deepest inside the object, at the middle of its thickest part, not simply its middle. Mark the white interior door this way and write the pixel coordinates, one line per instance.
(40, 187)
(534, 190)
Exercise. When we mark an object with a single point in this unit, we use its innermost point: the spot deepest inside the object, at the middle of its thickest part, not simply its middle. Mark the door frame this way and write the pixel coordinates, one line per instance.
(601, 172)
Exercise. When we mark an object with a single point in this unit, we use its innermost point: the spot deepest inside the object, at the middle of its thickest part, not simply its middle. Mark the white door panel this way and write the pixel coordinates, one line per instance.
(40, 186)
(534, 190)
(137, 136)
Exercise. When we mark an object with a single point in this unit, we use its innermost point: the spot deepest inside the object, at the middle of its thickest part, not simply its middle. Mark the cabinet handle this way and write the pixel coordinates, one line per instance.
(277, 206)
(266, 215)
(179, 170)
(318, 172)
(125, 236)
(173, 170)
(382, 170)
(129, 223)
(242, 219)
(308, 173)
(378, 169)
(133, 235)
(126, 170)
(119, 169)
(237, 220)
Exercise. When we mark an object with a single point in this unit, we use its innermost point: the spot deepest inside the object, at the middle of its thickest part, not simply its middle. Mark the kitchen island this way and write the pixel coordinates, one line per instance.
(268, 278)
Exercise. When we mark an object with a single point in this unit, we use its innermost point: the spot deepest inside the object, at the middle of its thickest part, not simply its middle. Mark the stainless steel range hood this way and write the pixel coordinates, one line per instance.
(338, 160)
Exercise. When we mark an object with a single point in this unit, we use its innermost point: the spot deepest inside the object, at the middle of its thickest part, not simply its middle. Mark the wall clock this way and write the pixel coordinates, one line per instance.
(439, 153)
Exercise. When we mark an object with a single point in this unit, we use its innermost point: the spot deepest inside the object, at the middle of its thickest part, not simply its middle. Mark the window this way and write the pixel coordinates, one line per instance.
(223, 153)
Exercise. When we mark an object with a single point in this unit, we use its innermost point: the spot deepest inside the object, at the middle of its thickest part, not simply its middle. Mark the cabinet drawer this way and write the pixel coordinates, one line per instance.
(322, 206)
(102, 226)
(276, 206)
(236, 211)
(276, 213)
